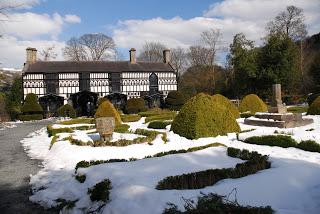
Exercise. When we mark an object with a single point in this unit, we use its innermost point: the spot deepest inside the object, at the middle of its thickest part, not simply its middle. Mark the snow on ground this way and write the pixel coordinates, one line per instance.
(292, 185)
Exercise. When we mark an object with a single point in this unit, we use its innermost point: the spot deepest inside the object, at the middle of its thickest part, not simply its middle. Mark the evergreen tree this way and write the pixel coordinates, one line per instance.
(315, 71)
(14, 98)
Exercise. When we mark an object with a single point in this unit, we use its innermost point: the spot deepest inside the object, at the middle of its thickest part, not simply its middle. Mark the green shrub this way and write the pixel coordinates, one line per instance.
(101, 191)
(309, 145)
(153, 112)
(53, 140)
(106, 109)
(201, 116)
(130, 118)
(66, 111)
(169, 115)
(252, 103)
(81, 178)
(246, 115)
(297, 109)
(227, 103)
(122, 128)
(101, 100)
(314, 109)
(135, 105)
(31, 105)
(78, 121)
(158, 124)
(213, 203)
(201, 179)
(174, 100)
(77, 142)
(283, 141)
(312, 98)
(52, 132)
(29, 117)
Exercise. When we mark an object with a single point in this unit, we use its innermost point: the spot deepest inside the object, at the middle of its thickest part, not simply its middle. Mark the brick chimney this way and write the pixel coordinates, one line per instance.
(166, 56)
(132, 52)
(31, 55)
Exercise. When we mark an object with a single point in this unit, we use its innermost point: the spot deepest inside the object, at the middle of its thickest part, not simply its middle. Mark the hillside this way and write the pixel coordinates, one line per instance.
(7, 75)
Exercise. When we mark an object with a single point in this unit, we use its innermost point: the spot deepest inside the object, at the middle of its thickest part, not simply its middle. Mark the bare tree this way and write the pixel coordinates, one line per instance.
(48, 53)
(152, 52)
(179, 59)
(199, 55)
(289, 23)
(90, 47)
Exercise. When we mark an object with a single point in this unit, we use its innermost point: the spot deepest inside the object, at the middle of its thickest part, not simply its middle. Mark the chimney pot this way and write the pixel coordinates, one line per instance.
(166, 56)
(31, 55)
(132, 52)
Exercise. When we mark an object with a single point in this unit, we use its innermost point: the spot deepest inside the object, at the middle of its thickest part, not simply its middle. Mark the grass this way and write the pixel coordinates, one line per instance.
(78, 121)
(297, 109)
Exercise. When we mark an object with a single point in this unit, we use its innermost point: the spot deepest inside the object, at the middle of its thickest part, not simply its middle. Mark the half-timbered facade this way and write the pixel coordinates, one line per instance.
(130, 78)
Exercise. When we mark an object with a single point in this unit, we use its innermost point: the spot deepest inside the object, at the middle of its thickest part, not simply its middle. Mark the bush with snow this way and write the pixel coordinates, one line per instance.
(101, 191)
(203, 116)
(252, 103)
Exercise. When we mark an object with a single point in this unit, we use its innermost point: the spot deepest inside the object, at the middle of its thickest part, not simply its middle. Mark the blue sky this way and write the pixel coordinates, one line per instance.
(175, 23)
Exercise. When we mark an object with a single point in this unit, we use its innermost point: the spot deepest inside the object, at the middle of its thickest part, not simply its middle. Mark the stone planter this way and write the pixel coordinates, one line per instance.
(105, 127)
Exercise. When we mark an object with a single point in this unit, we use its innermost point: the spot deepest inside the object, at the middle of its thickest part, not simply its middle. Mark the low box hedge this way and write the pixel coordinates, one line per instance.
(122, 128)
(201, 179)
(309, 145)
(130, 118)
(29, 117)
(158, 124)
(283, 141)
(100, 191)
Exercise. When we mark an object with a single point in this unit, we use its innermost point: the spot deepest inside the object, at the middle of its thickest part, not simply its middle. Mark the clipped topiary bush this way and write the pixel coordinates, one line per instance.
(174, 100)
(106, 109)
(66, 111)
(252, 103)
(158, 124)
(135, 105)
(201, 116)
(309, 145)
(226, 102)
(314, 109)
(31, 105)
(283, 141)
(130, 118)
(101, 191)
(29, 117)
(312, 98)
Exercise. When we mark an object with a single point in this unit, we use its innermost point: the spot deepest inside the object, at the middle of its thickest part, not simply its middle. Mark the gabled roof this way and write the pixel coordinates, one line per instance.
(95, 66)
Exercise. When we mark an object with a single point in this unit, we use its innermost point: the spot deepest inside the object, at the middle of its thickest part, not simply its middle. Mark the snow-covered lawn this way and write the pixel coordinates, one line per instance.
(292, 185)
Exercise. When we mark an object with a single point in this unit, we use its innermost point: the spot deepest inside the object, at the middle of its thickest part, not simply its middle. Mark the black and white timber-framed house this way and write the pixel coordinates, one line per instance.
(82, 83)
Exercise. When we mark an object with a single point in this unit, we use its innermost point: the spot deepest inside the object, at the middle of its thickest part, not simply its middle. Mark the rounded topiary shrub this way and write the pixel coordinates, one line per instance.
(135, 105)
(66, 111)
(106, 109)
(101, 100)
(202, 116)
(31, 105)
(174, 100)
(252, 103)
(227, 103)
(314, 108)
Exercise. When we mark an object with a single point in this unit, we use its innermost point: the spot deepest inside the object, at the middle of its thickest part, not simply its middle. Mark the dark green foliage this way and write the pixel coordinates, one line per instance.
(169, 115)
(86, 164)
(246, 115)
(52, 132)
(135, 105)
(101, 191)
(312, 98)
(31, 105)
(13, 99)
(309, 145)
(216, 204)
(283, 141)
(201, 179)
(252, 104)
(297, 109)
(158, 124)
(64, 203)
(78, 142)
(29, 117)
(202, 116)
(122, 128)
(174, 100)
(227, 104)
(314, 109)
(130, 118)
(3, 111)
(66, 111)
(81, 178)
(315, 70)
(101, 100)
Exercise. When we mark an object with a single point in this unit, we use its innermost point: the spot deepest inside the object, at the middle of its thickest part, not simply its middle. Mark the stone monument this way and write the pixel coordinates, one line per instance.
(276, 103)
(105, 127)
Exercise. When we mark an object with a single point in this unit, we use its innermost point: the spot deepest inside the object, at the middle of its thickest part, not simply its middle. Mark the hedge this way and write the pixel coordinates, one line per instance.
(227, 103)
(52, 132)
(203, 116)
(174, 100)
(252, 103)
(29, 117)
(312, 98)
(135, 105)
(77, 121)
(130, 118)
(122, 128)
(66, 111)
(283, 141)
(158, 124)
(31, 105)
(106, 109)
(201, 179)
(314, 108)
(213, 203)
(101, 191)
(169, 115)
(309, 145)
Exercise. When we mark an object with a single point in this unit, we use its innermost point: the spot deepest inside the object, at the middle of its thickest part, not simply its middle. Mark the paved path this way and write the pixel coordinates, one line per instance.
(15, 170)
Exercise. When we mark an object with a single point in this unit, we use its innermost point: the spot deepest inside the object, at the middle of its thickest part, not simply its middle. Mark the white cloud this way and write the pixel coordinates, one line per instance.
(230, 16)
(13, 51)
(70, 18)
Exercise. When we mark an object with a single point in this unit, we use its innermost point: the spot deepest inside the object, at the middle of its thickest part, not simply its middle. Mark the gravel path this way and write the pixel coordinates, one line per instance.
(15, 170)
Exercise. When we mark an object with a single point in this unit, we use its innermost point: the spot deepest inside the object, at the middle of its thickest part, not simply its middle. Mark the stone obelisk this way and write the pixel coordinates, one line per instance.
(276, 103)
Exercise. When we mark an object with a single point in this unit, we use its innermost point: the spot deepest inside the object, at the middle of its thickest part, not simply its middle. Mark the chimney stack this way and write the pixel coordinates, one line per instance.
(31, 55)
(166, 56)
(132, 52)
